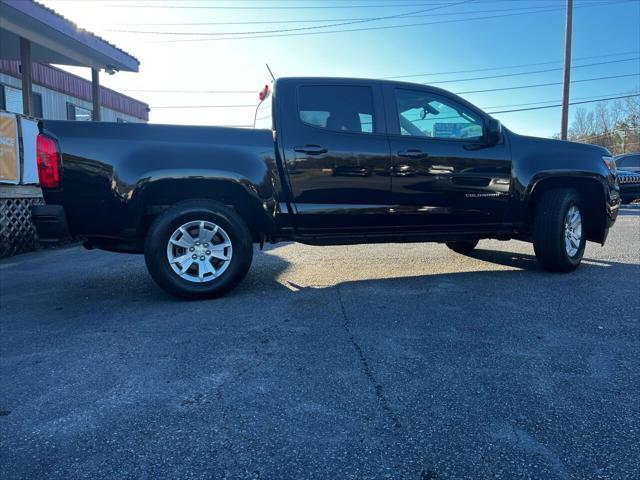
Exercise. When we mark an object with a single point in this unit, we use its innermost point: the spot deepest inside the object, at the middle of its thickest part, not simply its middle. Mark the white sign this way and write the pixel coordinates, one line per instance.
(29, 130)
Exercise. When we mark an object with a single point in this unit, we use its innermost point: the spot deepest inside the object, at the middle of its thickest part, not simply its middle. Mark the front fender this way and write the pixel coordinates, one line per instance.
(537, 161)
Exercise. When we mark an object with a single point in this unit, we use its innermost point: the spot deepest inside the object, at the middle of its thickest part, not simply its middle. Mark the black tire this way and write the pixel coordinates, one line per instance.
(549, 228)
(464, 247)
(159, 234)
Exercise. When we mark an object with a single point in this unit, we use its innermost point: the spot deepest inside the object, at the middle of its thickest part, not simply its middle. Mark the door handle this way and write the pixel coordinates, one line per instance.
(412, 153)
(441, 169)
(310, 149)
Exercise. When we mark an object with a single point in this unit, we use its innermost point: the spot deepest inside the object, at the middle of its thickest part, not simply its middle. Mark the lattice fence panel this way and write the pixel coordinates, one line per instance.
(17, 234)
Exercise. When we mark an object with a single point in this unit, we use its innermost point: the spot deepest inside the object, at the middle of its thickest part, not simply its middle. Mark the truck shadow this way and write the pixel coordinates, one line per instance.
(509, 259)
(524, 269)
(269, 280)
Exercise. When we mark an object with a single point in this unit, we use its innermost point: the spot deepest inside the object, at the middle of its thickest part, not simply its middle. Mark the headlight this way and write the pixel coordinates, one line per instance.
(608, 161)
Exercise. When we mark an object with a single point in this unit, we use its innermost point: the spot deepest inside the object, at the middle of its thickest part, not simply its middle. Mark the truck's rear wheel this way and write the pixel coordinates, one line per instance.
(198, 249)
(463, 247)
(558, 237)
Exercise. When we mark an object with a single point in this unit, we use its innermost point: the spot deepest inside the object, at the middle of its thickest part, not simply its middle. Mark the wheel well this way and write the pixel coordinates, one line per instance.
(592, 199)
(160, 197)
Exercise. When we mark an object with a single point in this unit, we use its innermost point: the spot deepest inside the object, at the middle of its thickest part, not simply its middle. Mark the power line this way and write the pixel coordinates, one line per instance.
(267, 22)
(366, 19)
(596, 98)
(517, 87)
(529, 72)
(276, 7)
(553, 101)
(507, 111)
(387, 78)
(486, 69)
(548, 84)
(289, 7)
(340, 24)
(570, 103)
(208, 39)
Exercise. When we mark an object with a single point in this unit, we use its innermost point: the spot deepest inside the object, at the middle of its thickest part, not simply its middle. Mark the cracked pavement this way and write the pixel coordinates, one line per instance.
(373, 361)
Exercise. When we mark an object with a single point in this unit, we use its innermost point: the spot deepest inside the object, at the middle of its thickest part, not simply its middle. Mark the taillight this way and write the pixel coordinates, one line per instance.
(48, 162)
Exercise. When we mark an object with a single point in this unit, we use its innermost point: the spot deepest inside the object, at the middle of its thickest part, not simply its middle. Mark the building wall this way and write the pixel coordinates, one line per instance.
(54, 104)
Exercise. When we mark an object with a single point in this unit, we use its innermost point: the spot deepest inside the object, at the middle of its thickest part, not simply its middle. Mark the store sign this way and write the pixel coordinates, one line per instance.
(8, 148)
(456, 130)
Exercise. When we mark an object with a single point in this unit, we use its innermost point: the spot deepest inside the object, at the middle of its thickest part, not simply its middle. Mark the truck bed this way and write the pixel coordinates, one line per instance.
(113, 173)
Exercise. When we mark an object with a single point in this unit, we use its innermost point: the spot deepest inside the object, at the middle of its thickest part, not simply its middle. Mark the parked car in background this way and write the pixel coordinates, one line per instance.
(629, 186)
(194, 200)
(628, 165)
(629, 162)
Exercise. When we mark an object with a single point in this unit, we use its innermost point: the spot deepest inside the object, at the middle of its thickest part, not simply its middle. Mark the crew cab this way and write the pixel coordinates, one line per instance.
(331, 161)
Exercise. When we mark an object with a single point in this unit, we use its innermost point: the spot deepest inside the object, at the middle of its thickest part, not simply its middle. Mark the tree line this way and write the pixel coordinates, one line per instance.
(613, 124)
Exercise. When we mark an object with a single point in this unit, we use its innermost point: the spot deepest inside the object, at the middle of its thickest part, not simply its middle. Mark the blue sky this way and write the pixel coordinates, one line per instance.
(472, 35)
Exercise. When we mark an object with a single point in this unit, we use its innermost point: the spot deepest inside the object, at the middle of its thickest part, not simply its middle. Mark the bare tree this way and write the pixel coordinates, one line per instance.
(583, 124)
(614, 125)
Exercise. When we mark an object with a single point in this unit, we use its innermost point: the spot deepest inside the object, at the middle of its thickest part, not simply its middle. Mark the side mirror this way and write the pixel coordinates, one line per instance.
(494, 131)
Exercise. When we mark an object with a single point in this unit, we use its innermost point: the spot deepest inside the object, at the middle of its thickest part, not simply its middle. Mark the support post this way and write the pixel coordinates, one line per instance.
(564, 122)
(25, 74)
(95, 94)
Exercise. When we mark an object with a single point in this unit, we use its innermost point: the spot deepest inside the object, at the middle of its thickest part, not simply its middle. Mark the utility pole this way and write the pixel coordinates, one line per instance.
(567, 72)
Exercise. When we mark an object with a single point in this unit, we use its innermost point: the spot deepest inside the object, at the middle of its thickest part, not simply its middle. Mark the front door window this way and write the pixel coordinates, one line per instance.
(422, 114)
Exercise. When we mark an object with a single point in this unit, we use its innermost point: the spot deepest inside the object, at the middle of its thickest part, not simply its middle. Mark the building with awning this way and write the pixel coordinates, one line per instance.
(31, 33)
(60, 95)
(32, 37)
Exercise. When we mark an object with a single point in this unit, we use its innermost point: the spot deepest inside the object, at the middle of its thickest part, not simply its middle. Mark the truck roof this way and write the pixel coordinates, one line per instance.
(357, 80)
(374, 81)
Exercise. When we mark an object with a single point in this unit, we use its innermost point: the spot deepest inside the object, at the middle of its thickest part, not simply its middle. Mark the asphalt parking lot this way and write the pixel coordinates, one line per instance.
(376, 361)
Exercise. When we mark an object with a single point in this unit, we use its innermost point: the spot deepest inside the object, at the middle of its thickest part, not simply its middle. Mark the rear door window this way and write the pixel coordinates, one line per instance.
(341, 108)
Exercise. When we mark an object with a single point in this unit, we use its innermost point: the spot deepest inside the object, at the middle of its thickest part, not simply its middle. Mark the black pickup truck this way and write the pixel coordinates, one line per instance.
(332, 161)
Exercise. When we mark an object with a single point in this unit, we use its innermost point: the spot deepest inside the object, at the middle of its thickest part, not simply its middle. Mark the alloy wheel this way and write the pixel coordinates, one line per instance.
(572, 231)
(199, 251)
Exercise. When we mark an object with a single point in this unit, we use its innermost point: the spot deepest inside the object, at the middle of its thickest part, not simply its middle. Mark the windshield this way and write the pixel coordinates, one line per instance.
(628, 161)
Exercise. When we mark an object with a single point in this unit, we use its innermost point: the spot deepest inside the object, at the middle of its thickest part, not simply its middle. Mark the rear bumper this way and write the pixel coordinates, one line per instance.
(50, 222)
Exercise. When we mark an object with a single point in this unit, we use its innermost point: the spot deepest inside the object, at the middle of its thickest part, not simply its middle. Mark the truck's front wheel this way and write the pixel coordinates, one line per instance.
(198, 249)
(558, 234)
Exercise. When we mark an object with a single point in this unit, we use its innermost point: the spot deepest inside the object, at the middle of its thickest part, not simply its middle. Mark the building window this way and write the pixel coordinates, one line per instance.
(12, 99)
(36, 104)
(78, 113)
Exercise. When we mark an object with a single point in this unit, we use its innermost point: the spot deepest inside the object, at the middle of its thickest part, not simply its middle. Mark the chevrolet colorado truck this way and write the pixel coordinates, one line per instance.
(331, 161)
